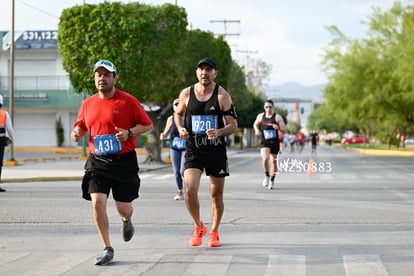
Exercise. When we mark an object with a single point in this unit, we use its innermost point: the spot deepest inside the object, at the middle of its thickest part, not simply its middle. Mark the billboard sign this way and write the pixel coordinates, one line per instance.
(44, 39)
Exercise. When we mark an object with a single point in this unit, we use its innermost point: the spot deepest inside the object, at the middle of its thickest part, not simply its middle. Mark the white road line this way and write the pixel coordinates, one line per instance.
(289, 265)
(356, 265)
(208, 265)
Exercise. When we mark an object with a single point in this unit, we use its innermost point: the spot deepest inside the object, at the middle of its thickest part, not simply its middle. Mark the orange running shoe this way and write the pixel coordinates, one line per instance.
(198, 234)
(214, 239)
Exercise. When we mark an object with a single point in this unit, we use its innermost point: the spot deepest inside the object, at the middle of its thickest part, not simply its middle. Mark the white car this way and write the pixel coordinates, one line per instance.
(409, 142)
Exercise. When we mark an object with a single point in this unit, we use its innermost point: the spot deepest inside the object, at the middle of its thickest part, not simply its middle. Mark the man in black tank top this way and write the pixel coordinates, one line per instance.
(270, 127)
(205, 105)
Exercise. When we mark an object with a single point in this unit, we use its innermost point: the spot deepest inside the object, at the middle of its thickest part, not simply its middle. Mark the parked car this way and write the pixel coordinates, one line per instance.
(409, 141)
(356, 139)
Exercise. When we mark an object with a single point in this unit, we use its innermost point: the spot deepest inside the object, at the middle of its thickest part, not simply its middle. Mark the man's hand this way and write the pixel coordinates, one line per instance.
(74, 135)
(184, 133)
(122, 134)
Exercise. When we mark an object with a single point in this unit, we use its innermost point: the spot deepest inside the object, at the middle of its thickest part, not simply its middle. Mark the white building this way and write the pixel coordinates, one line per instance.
(42, 91)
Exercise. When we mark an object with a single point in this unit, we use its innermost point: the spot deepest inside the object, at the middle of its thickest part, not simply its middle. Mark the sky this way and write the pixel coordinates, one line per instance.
(290, 36)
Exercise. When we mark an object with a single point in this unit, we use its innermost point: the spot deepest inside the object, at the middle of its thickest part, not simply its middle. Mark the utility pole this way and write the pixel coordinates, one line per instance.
(11, 82)
(246, 55)
(247, 64)
(226, 23)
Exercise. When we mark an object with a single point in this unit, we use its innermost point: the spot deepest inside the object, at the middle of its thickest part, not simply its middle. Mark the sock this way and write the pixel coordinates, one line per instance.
(272, 178)
(267, 174)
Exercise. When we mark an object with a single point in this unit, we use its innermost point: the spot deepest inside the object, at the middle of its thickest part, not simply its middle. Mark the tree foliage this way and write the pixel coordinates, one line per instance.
(143, 41)
(154, 53)
(371, 84)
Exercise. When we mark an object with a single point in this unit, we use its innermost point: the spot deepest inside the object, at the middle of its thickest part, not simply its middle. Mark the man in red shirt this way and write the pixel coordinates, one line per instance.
(300, 141)
(113, 119)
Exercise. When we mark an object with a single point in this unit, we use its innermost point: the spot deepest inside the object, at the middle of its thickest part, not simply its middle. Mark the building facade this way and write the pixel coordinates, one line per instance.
(43, 98)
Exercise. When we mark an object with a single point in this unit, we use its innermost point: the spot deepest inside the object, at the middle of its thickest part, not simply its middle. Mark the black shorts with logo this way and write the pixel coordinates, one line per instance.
(116, 172)
(214, 167)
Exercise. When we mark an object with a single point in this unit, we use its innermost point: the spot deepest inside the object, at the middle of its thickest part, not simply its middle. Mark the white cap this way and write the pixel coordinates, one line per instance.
(1, 99)
(105, 64)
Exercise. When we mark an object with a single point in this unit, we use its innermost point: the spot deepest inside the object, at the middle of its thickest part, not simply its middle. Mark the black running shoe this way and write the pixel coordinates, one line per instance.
(127, 230)
(2, 190)
(106, 257)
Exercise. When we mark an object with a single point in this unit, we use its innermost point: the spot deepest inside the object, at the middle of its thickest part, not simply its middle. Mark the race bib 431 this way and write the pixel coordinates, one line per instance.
(106, 144)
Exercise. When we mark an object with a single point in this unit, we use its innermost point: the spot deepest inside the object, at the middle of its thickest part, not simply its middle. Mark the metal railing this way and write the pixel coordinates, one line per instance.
(36, 83)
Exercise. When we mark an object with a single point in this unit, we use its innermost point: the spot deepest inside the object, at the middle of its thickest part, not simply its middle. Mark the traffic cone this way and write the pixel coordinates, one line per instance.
(310, 167)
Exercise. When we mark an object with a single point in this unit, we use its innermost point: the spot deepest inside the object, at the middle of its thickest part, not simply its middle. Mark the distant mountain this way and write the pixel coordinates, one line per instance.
(296, 90)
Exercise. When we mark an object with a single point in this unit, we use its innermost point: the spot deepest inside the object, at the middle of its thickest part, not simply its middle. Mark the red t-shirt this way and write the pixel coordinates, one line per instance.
(300, 137)
(101, 116)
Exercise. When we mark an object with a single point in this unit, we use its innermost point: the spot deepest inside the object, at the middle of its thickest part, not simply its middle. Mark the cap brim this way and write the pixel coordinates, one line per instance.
(109, 68)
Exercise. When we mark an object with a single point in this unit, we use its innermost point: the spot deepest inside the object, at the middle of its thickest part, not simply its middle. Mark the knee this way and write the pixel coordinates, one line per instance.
(99, 203)
(190, 191)
(217, 196)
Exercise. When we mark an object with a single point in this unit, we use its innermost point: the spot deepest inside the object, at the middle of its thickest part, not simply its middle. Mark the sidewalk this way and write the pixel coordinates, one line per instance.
(59, 164)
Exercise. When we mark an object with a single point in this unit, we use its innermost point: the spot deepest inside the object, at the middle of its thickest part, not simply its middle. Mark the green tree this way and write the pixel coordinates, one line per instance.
(144, 41)
(149, 44)
(370, 87)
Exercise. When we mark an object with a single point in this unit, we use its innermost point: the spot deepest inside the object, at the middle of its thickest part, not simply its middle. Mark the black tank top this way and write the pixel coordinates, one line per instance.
(269, 134)
(199, 117)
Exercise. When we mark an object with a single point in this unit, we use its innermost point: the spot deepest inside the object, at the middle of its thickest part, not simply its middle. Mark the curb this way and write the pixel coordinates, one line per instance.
(67, 178)
(383, 152)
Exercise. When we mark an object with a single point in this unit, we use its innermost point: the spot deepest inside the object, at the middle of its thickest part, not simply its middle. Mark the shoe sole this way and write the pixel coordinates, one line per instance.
(201, 239)
(103, 260)
(213, 245)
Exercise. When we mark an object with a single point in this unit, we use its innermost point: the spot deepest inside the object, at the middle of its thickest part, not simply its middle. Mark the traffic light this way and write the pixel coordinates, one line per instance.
(302, 110)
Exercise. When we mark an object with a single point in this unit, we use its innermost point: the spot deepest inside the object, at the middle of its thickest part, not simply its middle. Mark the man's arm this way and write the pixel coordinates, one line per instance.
(180, 112)
(281, 123)
(230, 116)
(140, 129)
(256, 124)
(167, 128)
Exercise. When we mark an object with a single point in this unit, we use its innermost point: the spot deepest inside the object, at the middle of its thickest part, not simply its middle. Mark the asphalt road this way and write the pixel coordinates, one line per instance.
(353, 215)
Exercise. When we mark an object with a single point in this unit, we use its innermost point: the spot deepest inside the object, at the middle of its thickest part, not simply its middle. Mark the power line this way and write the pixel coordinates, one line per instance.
(37, 9)
(227, 22)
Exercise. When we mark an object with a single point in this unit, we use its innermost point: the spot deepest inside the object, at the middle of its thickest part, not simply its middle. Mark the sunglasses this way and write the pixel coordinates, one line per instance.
(104, 62)
(268, 106)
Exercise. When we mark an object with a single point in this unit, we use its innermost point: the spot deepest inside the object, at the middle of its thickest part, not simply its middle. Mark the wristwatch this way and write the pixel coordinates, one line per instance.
(130, 134)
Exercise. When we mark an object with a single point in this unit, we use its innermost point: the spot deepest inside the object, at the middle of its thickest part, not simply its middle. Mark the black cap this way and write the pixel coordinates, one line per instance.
(207, 61)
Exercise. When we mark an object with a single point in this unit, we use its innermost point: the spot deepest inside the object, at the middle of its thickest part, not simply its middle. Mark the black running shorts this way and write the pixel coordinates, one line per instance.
(217, 167)
(116, 172)
(274, 147)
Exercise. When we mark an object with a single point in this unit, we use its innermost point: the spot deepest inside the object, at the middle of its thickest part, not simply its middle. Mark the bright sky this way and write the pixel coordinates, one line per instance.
(288, 35)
